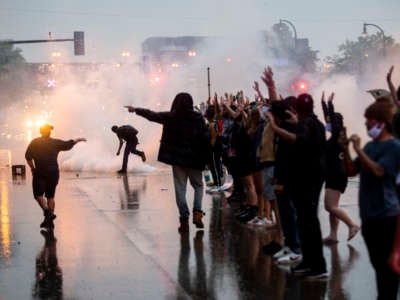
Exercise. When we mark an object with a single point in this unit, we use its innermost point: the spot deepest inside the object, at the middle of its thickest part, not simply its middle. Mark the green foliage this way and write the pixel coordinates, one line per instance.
(10, 55)
(354, 56)
(12, 73)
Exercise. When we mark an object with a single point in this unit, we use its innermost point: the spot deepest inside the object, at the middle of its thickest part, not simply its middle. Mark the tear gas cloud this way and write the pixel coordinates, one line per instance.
(87, 106)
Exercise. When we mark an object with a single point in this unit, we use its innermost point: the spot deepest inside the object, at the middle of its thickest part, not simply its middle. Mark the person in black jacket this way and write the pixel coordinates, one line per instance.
(185, 145)
(308, 173)
(127, 133)
(41, 156)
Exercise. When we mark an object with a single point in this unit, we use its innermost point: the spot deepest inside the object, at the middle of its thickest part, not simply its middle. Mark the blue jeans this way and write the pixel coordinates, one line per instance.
(288, 216)
(181, 175)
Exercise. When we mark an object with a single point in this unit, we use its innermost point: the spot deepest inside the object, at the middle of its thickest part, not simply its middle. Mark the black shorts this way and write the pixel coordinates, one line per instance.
(45, 185)
(337, 183)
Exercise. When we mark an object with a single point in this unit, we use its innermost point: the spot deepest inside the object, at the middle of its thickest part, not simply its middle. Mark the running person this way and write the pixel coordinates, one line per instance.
(41, 156)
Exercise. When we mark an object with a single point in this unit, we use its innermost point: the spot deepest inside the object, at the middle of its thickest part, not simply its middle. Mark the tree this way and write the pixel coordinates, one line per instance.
(9, 56)
(355, 56)
(13, 74)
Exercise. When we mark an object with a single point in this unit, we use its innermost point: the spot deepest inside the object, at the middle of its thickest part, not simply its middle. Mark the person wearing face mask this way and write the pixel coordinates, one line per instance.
(378, 163)
(336, 177)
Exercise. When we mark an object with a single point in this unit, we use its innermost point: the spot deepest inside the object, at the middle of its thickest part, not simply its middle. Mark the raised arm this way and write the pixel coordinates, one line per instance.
(324, 107)
(392, 88)
(256, 87)
(268, 79)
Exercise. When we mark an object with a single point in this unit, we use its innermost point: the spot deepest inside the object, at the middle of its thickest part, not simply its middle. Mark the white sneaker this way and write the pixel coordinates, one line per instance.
(261, 222)
(289, 258)
(253, 221)
(284, 251)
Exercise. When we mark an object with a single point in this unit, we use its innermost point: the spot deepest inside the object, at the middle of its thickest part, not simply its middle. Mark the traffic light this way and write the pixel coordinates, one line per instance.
(79, 42)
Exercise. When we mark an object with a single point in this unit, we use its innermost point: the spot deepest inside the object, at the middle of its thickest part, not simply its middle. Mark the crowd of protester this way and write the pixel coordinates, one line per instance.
(277, 151)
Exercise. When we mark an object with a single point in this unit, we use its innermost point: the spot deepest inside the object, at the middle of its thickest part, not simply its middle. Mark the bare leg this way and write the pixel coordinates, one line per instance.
(258, 184)
(42, 202)
(248, 185)
(335, 214)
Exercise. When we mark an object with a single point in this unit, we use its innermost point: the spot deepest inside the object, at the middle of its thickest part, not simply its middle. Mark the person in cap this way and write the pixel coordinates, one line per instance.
(378, 163)
(41, 156)
(128, 134)
(307, 175)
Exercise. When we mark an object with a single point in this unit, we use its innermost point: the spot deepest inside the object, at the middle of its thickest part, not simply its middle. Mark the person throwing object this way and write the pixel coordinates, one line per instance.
(128, 134)
(41, 156)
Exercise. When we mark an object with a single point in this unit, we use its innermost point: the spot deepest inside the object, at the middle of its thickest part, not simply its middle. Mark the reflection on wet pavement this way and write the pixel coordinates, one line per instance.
(117, 238)
(48, 275)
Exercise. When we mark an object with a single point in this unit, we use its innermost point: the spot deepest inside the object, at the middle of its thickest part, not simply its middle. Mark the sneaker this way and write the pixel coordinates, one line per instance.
(253, 221)
(301, 269)
(242, 210)
(122, 171)
(261, 222)
(289, 259)
(48, 220)
(249, 214)
(271, 248)
(284, 251)
(316, 275)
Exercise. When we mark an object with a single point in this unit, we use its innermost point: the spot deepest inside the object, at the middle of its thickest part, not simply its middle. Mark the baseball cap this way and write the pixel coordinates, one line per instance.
(46, 128)
(379, 93)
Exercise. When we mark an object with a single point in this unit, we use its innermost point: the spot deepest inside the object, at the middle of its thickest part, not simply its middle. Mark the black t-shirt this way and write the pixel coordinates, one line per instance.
(44, 152)
(126, 132)
(310, 151)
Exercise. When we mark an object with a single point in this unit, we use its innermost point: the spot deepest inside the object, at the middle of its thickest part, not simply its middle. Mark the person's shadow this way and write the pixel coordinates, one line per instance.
(130, 199)
(48, 274)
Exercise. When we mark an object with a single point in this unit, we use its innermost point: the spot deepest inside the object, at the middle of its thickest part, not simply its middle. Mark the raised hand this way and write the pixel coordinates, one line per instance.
(331, 96)
(389, 74)
(256, 87)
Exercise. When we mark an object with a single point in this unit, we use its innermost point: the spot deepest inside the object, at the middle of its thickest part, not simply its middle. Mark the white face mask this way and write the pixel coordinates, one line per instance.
(375, 131)
(328, 127)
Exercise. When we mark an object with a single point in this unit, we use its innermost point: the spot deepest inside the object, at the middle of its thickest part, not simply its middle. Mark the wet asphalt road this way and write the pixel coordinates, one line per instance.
(116, 237)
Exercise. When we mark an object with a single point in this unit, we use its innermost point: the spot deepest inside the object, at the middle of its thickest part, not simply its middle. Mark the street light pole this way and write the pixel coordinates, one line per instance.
(293, 28)
(381, 30)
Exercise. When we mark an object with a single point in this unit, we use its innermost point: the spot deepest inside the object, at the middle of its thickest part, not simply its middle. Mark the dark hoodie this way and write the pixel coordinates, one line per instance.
(185, 139)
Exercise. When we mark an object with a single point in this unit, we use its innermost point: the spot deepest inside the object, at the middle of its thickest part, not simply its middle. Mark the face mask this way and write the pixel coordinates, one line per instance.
(375, 131)
(328, 127)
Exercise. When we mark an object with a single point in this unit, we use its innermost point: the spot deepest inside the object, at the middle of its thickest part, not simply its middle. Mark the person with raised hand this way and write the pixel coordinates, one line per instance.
(41, 156)
(336, 177)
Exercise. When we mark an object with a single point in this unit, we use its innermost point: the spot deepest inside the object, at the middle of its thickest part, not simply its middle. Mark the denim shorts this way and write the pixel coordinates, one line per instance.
(269, 188)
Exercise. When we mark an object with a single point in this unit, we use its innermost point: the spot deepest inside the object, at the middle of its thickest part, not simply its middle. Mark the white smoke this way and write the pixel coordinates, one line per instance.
(87, 103)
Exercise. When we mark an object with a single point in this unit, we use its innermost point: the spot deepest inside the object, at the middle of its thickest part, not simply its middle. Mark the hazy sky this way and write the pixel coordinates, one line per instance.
(113, 26)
